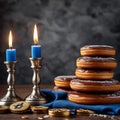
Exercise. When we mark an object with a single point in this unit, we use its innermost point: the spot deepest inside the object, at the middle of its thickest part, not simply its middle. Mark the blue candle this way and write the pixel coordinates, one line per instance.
(35, 49)
(10, 53)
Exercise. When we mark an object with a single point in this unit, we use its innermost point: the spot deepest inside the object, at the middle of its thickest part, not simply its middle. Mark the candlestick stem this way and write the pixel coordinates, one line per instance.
(36, 97)
(10, 96)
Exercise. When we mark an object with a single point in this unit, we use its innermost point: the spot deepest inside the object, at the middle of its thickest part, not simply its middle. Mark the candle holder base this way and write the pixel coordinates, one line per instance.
(8, 99)
(36, 100)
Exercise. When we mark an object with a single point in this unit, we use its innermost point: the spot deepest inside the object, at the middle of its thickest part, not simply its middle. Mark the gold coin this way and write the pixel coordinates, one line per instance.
(4, 109)
(39, 109)
(19, 107)
(81, 111)
(62, 112)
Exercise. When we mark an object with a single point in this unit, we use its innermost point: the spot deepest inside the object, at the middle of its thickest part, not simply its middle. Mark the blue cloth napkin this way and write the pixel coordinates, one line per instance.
(60, 100)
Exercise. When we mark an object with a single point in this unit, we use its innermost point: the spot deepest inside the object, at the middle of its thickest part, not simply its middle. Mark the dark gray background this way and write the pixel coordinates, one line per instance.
(64, 26)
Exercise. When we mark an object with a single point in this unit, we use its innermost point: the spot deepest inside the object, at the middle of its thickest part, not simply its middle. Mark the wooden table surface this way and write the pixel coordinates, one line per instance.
(24, 90)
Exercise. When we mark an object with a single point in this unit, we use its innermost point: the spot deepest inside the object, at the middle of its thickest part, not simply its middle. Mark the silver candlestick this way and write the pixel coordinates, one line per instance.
(10, 96)
(36, 97)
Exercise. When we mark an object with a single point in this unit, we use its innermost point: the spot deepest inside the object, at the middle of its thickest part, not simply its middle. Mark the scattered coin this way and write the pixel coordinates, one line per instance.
(19, 107)
(81, 111)
(39, 109)
(62, 112)
(4, 109)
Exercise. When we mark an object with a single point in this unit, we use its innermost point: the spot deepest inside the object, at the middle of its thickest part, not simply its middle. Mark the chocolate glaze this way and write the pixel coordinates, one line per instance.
(96, 59)
(95, 82)
(65, 78)
(95, 71)
(111, 95)
(97, 47)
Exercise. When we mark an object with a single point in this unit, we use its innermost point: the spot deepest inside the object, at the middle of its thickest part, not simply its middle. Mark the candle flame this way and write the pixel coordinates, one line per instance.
(10, 39)
(35, 35)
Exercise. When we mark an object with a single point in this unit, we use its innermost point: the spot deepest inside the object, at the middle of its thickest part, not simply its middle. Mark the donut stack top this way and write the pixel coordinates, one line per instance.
(97, 50)
(96, 62)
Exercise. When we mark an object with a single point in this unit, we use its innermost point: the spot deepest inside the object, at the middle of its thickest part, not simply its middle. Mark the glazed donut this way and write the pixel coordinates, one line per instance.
(97, 50)
(63, 81)
(94, 74)
(83, 98)
(95, 86)
(96, 63)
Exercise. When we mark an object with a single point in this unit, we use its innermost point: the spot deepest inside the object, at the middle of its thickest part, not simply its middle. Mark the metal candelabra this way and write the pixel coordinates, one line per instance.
(36, 97)
(10, 96)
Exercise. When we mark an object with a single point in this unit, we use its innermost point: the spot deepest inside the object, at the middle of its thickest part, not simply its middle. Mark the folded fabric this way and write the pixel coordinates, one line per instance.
(60, 100)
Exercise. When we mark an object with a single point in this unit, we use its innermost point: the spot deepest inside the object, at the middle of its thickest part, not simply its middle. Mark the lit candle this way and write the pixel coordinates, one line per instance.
(36, 48)
(10, 53)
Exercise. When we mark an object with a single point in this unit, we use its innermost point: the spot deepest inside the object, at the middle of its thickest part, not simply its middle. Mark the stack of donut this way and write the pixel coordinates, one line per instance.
(95, 70)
